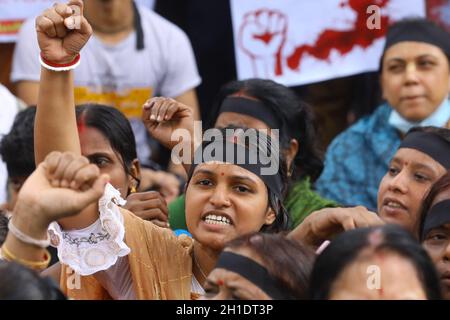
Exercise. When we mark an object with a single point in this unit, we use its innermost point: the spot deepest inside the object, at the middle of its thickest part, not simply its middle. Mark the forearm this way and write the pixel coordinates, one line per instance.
(56, 130)
(189, 98)
(22, 251)
(184, 150)
(301, 234)
(15, 249)
(187, 161)
(306, 233)
(55, 126)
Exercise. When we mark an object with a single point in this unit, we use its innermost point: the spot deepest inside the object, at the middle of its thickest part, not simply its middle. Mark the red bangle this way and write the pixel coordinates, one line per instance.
(61, 65)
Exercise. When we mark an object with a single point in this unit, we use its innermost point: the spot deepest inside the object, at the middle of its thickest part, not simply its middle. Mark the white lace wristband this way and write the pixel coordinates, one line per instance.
(59, 67)
(27, 239)
(98, 246)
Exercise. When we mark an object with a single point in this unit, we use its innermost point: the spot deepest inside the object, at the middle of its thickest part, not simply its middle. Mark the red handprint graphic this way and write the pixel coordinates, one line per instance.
(262, 36)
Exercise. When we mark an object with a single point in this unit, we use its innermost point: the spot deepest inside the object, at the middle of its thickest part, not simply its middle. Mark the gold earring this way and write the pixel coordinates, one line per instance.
(133, 189)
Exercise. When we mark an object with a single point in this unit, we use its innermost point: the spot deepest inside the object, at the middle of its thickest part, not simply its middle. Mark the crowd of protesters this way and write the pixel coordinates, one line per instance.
(246, 207)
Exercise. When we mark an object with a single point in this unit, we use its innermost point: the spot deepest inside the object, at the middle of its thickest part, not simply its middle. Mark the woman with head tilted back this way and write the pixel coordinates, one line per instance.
(103, 241)
(415, 82)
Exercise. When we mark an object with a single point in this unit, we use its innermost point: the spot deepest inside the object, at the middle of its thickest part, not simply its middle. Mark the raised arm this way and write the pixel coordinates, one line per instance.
(325, 224)
(62, 31)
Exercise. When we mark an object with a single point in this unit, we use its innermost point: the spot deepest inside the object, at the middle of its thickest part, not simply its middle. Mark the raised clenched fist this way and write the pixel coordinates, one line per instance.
(61, 186)
(62, 31)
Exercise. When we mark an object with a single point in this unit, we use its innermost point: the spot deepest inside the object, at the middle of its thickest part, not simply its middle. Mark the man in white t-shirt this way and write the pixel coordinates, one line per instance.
(134, 54)
(9, 106)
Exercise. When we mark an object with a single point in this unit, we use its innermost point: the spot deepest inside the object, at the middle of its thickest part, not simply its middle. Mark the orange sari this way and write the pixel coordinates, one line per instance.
(160, 264)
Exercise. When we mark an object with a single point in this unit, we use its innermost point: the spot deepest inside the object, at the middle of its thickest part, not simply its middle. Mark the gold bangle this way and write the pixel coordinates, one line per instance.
(31, 264)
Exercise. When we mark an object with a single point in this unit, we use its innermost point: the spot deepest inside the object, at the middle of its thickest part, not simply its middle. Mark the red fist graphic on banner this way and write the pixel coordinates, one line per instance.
(262, 36)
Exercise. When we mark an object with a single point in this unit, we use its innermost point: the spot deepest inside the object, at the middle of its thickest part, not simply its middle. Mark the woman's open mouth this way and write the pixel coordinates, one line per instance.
(217, 218)
(393, 207)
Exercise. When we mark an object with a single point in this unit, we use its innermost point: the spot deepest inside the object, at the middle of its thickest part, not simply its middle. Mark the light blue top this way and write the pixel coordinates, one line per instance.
(438, 118)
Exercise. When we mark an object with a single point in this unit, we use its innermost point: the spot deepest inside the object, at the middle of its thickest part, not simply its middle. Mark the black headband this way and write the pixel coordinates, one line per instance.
(253, 108)
(255, 273)
(438, 215)
(429, 143)
(417, 30)
(256, 161)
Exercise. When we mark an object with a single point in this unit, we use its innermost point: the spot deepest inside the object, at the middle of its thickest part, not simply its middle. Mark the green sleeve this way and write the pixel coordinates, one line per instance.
(177, 217)
(302, 201)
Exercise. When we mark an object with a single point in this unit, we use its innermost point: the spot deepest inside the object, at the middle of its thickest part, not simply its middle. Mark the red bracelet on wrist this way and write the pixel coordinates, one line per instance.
(60, 66)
